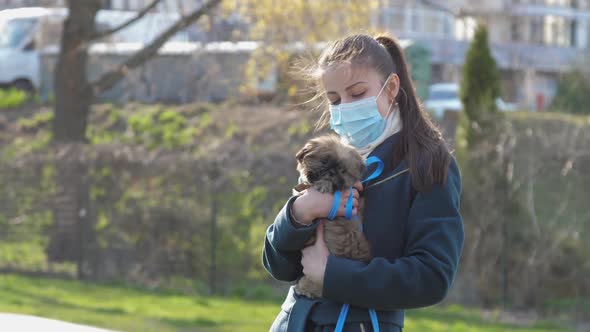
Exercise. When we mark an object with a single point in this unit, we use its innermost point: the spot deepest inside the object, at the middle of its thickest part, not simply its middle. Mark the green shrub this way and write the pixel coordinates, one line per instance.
(160, 127)
(573, 93)
(12, 98)
(37, 121)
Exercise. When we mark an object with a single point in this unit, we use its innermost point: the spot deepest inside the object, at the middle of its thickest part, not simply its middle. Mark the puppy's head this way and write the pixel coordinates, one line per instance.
(326, 159)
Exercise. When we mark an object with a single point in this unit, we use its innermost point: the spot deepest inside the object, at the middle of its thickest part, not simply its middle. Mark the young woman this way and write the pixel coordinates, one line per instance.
(411, 213)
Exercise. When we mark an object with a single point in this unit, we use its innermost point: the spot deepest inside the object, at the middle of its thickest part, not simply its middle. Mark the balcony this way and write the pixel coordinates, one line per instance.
(545, 10)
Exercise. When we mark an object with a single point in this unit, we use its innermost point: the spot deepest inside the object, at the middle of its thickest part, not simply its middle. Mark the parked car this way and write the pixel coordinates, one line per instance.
(445, 97)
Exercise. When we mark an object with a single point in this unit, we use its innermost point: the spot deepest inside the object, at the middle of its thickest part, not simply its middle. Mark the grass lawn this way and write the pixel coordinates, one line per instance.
(134, 309)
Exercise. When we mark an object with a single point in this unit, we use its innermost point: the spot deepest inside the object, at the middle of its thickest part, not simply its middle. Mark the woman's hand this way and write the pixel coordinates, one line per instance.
(312, 204)
(314, 258)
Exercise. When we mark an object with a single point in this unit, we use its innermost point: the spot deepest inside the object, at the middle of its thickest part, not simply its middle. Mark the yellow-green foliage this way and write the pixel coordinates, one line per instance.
(290, 26)
(160, 127)
(12, 98)
(37, 121)
(301, 128)
(151, 126)
(581, 120)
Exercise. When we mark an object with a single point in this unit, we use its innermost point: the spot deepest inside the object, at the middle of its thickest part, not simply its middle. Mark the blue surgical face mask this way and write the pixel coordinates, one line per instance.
(358, 123)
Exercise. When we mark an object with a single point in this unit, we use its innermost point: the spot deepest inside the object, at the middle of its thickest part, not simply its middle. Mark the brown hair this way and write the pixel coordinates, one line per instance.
(420, 143)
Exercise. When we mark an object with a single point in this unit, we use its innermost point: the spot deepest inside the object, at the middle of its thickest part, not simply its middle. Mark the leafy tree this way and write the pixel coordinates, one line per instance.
(480, 86)
(288, 28)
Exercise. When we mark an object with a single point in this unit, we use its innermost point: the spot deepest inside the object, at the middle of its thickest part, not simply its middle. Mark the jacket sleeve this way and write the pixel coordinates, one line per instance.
(281, 255)
(423, 276)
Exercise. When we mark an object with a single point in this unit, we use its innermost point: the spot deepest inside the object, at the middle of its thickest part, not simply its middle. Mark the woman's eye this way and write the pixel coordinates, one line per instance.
(358, 94)
(335, 102)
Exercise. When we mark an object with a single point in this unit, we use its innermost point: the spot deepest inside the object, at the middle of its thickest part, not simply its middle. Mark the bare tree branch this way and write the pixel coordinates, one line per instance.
(438, 5)
(111, 78)
(139, 16)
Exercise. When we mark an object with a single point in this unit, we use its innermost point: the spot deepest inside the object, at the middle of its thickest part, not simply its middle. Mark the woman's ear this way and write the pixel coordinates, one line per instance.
(393, 87)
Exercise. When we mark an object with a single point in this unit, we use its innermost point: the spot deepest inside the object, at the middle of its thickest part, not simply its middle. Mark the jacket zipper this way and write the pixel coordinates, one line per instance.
(389, 178)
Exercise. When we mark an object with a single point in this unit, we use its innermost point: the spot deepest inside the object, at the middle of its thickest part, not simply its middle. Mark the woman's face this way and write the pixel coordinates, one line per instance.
(344, 84)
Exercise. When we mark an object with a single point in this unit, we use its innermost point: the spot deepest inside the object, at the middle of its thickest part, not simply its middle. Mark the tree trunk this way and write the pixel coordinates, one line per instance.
(213, 266)
(72, 228)
(72, 233)
(73, 95)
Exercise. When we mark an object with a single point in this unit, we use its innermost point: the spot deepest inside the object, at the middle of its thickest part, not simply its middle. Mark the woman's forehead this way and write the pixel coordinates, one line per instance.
(339, 77)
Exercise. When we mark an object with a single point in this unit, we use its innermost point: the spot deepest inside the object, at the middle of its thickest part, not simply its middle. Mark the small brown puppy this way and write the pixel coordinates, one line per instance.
(328, 165)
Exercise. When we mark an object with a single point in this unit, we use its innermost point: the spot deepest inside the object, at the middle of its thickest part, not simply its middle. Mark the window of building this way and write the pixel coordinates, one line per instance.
(433, 22)
(416, 20)
(465, 28)
(560, 3)
(515, 33)
(448, 25)
(536, 34)
(574, 33)
(557, 31)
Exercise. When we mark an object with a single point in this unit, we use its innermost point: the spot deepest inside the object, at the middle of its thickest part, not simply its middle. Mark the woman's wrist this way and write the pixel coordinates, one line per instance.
(298, 216)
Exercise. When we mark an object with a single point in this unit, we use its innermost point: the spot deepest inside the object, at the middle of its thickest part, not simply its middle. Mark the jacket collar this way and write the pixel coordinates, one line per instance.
(384, 151)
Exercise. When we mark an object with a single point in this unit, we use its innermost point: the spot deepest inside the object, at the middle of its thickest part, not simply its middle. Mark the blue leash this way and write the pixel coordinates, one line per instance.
(337, 194)
(380, 165)
(348, 215)
(344, 313)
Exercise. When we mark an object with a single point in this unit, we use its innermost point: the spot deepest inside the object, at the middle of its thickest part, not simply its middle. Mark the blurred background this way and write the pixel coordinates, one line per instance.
(146, 145)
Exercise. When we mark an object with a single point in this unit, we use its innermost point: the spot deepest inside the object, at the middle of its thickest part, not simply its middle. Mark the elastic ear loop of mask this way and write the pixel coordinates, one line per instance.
(382, 88)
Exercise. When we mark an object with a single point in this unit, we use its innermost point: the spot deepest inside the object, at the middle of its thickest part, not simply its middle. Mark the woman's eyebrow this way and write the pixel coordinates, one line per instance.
(349, 87)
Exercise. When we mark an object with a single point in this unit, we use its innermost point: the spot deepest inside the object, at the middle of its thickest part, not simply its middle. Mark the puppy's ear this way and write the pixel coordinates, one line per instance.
(304, 151)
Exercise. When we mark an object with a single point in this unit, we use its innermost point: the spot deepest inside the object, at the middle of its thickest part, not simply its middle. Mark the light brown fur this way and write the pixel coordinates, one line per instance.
(328, 165)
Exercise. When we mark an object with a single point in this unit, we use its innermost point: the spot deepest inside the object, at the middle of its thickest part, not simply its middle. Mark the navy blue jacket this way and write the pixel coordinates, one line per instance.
(416, 240)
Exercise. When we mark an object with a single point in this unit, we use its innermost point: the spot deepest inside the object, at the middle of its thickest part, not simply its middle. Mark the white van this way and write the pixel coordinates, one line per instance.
(25, 32)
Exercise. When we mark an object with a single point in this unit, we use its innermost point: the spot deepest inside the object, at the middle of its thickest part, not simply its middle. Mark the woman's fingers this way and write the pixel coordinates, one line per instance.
(355, 202)
(346, 193)
(358, 186)
(342, 212)
(342, 209)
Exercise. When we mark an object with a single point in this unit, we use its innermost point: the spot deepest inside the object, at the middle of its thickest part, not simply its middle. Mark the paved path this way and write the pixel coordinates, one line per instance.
(24, 323)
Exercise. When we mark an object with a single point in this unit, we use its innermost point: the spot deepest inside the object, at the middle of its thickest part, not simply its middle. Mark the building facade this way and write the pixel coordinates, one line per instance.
(533, 41)
(5, 4)
(171, 6)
